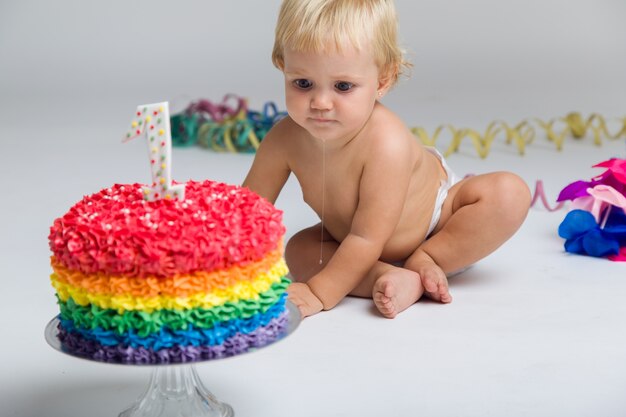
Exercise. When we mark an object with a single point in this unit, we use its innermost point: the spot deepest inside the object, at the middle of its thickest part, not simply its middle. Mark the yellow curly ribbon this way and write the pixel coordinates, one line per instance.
(523, 133)
(126, 302)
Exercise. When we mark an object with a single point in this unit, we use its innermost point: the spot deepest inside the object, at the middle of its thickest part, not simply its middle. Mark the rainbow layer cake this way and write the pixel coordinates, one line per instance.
(170, 280)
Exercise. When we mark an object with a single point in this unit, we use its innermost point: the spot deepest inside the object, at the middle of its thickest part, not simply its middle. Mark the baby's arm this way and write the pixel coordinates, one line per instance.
(269, 171)
(382, 194)
(267, 176)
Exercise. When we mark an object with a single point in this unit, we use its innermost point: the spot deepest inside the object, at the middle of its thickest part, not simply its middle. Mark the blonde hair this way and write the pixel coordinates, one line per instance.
(323, 25)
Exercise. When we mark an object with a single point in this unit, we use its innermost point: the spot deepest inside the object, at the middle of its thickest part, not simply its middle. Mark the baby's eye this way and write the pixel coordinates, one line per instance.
(344, 86)
(302, 84)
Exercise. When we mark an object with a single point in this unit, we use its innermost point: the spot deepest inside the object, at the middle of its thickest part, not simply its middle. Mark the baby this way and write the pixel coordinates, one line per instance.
(394, 218)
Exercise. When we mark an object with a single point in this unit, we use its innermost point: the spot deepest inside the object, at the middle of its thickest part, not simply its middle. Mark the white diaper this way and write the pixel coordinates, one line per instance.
(442, 193)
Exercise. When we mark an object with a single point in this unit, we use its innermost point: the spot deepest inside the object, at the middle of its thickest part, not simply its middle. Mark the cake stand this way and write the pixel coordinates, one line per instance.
(175, 390)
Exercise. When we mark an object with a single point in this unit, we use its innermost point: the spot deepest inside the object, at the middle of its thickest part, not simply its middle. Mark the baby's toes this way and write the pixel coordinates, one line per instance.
(380, 298)
(431, 283)
(387, 310)
(444, 295)
(385, 305)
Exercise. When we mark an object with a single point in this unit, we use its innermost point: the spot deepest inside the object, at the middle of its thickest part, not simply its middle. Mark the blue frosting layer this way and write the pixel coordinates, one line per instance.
(193, 336)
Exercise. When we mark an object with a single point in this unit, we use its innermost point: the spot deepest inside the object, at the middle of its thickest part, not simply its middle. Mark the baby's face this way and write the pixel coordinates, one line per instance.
(331, 94)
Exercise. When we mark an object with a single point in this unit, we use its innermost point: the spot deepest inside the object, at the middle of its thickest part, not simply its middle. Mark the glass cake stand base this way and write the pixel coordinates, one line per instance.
(175, 390)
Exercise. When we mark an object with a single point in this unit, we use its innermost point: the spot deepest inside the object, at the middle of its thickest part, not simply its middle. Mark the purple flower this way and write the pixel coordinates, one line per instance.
(614, 176)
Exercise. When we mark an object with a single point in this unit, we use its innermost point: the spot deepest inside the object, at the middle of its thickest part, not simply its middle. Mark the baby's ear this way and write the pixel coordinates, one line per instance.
(387, 78)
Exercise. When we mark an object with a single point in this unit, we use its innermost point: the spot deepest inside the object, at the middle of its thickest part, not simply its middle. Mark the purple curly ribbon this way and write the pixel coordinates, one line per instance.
(218, 112)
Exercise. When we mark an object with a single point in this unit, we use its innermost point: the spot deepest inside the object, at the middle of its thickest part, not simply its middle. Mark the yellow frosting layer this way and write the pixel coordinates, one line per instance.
(127, 302)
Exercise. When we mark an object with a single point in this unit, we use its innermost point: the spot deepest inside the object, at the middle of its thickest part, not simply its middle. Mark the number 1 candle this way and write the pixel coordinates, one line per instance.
(153, 120)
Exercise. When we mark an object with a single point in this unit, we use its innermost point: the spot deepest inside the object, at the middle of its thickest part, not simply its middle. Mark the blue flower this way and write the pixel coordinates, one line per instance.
(584, 236)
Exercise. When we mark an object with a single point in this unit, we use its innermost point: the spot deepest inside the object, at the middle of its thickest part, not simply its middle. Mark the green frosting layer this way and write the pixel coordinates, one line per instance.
(92, 316)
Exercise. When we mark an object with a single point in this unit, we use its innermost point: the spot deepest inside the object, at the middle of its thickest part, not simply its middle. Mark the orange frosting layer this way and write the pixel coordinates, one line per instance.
(180, 285)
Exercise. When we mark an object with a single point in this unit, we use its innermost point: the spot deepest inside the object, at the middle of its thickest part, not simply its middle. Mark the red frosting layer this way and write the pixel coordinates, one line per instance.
(116, 232)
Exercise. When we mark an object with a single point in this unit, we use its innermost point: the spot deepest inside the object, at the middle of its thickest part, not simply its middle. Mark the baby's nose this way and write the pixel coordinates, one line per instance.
(321, 101)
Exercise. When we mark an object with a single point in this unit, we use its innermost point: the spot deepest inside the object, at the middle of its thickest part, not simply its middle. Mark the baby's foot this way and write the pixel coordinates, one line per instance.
(435, 282)
(396, 290)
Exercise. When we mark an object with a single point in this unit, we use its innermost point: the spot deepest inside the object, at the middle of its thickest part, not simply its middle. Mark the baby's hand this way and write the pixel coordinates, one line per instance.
(301, 295)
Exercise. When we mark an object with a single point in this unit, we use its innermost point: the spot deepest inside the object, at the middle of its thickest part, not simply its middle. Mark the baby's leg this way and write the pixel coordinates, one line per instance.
(393, 289)
(308, 251)
(479, 214)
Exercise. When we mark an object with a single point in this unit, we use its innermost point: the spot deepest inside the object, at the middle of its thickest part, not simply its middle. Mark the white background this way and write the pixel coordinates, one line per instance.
(532, 331)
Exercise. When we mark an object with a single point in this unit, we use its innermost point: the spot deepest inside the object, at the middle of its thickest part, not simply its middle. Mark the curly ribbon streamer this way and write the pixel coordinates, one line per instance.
(233, 128)
(540, 195)
(523, 133)
(223, 127)
(217, 112)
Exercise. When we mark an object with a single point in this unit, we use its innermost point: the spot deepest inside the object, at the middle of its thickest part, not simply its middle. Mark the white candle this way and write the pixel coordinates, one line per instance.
(153, 120)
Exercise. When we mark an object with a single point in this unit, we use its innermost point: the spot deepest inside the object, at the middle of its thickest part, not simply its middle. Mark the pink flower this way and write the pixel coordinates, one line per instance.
(599, 198)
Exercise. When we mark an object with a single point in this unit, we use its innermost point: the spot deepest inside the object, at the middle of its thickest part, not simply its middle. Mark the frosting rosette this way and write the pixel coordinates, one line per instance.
(596, 224)
(115, 231)
(169, 280)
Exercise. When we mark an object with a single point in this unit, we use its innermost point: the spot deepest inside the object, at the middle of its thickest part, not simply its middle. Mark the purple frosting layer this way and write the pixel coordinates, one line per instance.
(240, 343)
